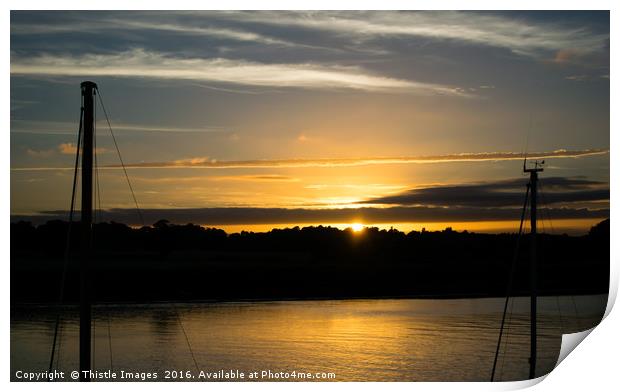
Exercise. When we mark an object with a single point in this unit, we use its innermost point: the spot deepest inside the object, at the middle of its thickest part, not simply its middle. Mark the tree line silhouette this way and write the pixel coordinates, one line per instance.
(189, 262)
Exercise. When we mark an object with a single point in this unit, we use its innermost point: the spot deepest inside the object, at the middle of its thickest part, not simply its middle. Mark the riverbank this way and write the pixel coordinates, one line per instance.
(190, 263)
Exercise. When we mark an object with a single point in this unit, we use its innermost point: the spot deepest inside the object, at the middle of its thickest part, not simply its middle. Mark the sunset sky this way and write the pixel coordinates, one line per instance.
(253, 120)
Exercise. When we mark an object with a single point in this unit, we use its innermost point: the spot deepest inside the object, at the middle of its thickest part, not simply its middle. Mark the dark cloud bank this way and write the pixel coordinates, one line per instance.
(491, 201)
(507, 193)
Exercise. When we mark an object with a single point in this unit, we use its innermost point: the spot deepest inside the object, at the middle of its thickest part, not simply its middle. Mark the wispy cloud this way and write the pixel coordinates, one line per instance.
(212, 163)
(578, 78)
(69, 128)
(226, 33)
(62, 148)
(71, 149)
(144, 64)
(258, 177)
(17, 104)
(206, 162)
(487, 29)
(144, 22)
(586, 78)
(67, 148)
(522, 35)
(40, 153)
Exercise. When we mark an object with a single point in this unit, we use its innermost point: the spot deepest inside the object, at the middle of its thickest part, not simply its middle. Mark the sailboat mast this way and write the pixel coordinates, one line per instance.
(533, 276)
(533, 264)
(88, 91)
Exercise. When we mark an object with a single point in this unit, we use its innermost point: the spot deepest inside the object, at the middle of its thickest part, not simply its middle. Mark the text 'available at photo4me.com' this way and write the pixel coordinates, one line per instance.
(176, 375)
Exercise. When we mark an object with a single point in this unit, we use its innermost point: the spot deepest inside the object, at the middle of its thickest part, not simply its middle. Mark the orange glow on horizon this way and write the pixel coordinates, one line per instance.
(559, 226)
(357, 227)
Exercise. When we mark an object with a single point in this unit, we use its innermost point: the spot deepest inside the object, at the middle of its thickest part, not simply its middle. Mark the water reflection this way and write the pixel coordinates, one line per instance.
(359, 340)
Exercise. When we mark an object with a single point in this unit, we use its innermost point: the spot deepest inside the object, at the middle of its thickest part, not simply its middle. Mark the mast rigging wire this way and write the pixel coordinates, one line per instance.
(557, 298)
(98, 219)
(510, 281)
(68, 240)
(526, 228)
(133, 195)
(508, 326)
(57, 328)
(186, 337)
(97, 186)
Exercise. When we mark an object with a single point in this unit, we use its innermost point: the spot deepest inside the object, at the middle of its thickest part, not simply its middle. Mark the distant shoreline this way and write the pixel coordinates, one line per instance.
(18, 304)
(189, 263)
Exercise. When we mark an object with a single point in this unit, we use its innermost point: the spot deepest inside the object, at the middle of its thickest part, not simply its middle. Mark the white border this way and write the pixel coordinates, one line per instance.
(592, 366)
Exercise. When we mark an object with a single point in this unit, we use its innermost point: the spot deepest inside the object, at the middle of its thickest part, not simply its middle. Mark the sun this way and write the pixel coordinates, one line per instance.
(357, 227)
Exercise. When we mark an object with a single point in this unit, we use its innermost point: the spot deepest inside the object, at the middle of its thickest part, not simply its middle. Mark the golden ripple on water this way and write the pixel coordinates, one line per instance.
(389, 340)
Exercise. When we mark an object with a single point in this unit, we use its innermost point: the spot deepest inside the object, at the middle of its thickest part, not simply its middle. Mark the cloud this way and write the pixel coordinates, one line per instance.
(565, 56)
(194, 179)
(524, 35)
(206, 162)
(509, 193)
(62, 148)
(519, 35)
(264, 177)
(143, 22)
(17, 104)
(69, 128)
(585, 78)
(39, 153)
(151, 128)
(225, 33)
(257, 177)
(578, 78)
(212, 163)
(146, 64)
(67, 148)
(237, 215)
(490, 201)
(70, 149)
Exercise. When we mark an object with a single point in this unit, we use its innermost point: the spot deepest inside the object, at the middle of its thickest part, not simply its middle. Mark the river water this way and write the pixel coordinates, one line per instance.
(355, 340)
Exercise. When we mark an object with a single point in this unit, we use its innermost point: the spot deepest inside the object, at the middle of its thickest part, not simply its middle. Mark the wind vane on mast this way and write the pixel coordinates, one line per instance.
(537, 166)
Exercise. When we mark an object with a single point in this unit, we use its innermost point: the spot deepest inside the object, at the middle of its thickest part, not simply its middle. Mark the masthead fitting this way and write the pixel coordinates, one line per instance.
(88, 83)
(537, 167)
